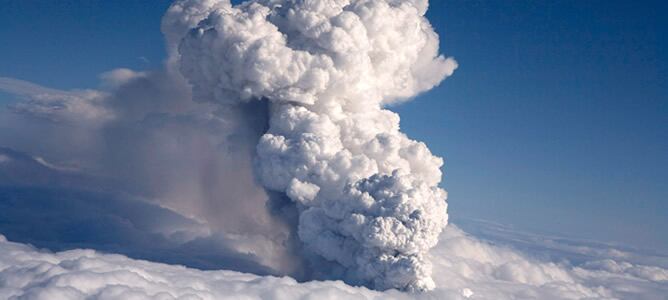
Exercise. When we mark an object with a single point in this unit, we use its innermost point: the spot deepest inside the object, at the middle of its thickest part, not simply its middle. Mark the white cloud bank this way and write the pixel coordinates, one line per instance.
(464, 268)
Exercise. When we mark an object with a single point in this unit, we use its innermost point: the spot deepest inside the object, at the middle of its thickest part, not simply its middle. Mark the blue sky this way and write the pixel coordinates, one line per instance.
(557, 118)
(555, 121)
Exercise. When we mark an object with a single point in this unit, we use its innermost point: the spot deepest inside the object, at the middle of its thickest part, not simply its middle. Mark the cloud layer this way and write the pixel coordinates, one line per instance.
(464, 268)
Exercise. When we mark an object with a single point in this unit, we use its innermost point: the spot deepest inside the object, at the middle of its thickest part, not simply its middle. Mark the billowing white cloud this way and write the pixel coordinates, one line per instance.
(366, 195)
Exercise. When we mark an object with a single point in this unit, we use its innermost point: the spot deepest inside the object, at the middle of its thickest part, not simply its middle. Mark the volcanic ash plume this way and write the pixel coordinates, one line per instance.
(367, 196)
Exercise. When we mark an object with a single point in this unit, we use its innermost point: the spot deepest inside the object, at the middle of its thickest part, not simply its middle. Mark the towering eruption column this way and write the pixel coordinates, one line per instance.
(367, 196)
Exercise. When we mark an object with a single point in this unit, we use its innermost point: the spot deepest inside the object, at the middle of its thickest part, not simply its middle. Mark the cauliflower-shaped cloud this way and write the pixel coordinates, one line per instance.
(367, 195)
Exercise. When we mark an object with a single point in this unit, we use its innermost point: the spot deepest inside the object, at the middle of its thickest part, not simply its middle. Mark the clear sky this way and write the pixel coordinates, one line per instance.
(556, 120)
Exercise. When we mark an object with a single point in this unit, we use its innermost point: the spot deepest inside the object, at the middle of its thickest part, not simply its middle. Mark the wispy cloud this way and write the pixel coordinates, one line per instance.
(57, 105)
